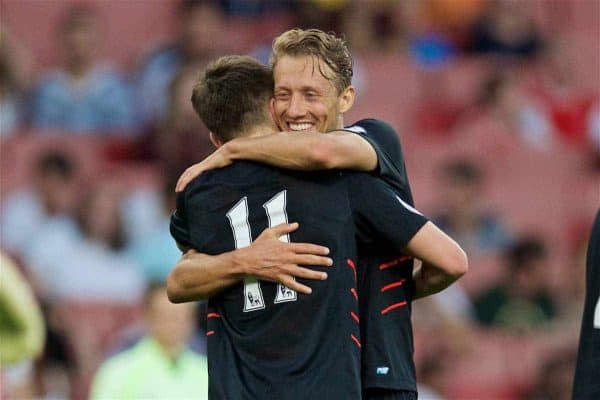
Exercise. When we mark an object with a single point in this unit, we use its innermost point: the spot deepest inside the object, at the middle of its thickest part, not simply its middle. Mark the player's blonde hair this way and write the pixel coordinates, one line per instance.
(327, 47)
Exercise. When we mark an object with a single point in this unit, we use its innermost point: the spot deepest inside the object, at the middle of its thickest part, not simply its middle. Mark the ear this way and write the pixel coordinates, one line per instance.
(272, 108)
(346, 99)
(215, 140)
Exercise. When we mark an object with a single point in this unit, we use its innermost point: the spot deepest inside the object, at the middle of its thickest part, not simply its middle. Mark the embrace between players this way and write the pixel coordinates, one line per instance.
(318, 305)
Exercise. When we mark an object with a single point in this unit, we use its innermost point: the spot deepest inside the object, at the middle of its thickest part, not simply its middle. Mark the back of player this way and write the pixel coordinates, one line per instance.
(264, 340)
(587, 374)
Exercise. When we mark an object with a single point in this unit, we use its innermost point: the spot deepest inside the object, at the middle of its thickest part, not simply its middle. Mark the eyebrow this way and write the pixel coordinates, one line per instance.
(304, 88)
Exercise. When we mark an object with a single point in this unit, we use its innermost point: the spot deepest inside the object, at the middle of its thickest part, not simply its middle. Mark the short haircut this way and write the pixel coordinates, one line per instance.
(525, 250)
(56, 163)
(232, 95)
(327, 47)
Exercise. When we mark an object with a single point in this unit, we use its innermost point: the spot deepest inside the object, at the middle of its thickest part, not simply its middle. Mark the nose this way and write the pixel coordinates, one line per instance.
(296, 107)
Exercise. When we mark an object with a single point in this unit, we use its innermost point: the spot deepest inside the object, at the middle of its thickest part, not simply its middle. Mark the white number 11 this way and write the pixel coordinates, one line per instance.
(242, 234)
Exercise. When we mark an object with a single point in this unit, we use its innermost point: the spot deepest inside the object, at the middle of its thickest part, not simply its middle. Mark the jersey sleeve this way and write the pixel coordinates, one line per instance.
(390, 159)
(179, 225)
(380, 214)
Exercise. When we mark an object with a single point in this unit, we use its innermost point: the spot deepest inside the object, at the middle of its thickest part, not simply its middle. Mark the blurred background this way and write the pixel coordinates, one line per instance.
(498, 110)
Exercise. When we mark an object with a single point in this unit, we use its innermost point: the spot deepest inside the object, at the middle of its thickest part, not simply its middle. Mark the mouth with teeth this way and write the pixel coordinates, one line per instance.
(301, 126)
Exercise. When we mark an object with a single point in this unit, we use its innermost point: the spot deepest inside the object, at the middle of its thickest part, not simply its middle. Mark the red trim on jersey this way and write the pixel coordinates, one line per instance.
(393, 285)
(210, 333)
(351, 265)
(356, 341)
(213, 315)
(353, 291)
(393, 262)
(355, 317)
(393, 306)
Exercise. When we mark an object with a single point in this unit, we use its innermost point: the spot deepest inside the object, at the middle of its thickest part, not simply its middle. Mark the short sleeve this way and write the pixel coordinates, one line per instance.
(390, 159)
(380, 214)
(179, 224)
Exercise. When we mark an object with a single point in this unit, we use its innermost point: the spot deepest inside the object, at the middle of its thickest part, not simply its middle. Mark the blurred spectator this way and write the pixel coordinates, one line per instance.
(155, 251)
(53, 195)
(180, 138)
(435, 111)
(506, 30)
(15, 72)
(505, 99)
(449, 19)
(200, 24)
(464, 217)
(567, 102)
(84, 96)
(522, 302)
(89, 264)
(160, 365)
(431, 378)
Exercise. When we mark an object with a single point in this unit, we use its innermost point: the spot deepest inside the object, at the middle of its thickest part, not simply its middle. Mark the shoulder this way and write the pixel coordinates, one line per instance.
(118, 366)
(53, 81)
(379, 132)
(372, 126)
(106, 76)
(161, 57)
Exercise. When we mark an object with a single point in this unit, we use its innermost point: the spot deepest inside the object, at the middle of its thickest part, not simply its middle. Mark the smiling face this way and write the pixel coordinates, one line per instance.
(304, 99)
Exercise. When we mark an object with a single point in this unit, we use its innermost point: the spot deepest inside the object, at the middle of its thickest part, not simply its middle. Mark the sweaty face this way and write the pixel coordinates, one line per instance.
(304, 100)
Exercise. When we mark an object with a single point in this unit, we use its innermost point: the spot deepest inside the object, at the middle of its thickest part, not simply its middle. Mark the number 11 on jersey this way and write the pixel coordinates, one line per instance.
(242, 234)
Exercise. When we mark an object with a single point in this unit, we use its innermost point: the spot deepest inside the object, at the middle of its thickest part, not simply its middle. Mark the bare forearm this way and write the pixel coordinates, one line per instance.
(430, 280)
(306, 151)
(201, 276)
(443, 261)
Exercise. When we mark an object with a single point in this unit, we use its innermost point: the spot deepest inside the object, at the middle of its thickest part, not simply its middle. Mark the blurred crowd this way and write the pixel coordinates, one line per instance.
(498, 110)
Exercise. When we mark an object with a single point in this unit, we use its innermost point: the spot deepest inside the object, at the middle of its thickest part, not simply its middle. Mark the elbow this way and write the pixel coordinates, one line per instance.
(460, 263)
(174, 290)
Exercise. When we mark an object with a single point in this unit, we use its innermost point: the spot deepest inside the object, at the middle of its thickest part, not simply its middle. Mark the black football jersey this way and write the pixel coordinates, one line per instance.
(587, 373)
(385, 279)
(266, 341)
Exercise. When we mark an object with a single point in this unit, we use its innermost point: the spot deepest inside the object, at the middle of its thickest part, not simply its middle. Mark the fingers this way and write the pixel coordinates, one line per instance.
(311, 259)
(309, 248)
(295, 285)
(187, 177)
(282, 229)
(307, 273)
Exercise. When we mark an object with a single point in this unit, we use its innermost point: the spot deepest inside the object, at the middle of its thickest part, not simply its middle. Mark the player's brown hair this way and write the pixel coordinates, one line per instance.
(329, 48)
(232, 95)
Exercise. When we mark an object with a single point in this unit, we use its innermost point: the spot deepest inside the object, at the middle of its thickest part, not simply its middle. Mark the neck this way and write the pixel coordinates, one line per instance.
(78, 69)
(259, 130)
(171, 351)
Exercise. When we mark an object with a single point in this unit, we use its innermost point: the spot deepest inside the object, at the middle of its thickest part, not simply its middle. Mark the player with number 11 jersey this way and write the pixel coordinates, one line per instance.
(266, 341)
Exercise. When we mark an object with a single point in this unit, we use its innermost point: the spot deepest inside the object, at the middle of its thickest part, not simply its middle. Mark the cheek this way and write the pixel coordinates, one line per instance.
(279, 107)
